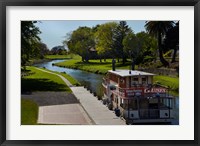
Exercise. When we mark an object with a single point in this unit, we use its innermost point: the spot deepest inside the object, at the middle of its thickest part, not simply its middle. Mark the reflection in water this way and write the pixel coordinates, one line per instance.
(90, 80)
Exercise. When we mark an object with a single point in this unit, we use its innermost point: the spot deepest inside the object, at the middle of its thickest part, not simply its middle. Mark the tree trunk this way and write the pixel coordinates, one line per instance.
(82, 59)
(174, 56)
(162, 60)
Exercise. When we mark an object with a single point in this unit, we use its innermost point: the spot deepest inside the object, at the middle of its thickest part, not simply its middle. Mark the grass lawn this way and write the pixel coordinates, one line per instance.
(173, 83)
(57, 57)
(94, 66)
(68, 77)
(29, 112)
(42, 81)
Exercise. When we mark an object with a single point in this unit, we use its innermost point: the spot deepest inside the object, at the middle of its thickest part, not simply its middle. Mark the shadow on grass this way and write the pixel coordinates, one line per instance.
(29, 85)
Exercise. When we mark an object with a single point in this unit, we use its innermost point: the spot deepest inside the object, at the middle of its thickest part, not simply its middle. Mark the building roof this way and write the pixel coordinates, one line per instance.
(125, 73)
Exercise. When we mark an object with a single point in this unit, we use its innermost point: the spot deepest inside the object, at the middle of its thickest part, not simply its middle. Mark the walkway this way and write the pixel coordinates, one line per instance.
(59, 108)
(98, 112)
(70, 114)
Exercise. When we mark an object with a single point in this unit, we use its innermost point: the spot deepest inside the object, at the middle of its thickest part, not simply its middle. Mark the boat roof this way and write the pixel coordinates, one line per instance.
(125, 73)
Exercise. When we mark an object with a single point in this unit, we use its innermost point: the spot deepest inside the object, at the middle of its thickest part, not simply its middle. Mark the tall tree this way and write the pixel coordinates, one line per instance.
(29, 40)
(147, 46)
(60, 50)
(159, 29)
(80, 42)
(140, 46)
(130, 44)
(120, 33)
(42, 50)
(172, 40)
(104, 38)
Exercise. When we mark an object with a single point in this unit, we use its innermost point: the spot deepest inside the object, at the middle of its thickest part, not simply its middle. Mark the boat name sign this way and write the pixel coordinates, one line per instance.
(155, 90)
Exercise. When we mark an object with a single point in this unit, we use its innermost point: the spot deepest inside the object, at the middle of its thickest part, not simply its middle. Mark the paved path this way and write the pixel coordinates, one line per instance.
(98, 112)
(71, 114)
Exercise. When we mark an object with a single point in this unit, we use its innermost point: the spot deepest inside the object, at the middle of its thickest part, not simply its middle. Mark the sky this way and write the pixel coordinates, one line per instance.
(54, 32)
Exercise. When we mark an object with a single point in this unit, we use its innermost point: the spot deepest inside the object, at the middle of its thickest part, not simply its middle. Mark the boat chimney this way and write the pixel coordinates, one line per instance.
(113, 64)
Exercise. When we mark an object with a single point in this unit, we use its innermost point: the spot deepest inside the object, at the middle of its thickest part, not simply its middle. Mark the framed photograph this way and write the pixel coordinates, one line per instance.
(99, 72)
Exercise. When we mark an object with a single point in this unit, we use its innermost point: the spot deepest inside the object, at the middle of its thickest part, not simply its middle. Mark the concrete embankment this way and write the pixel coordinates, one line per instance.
(99, 113)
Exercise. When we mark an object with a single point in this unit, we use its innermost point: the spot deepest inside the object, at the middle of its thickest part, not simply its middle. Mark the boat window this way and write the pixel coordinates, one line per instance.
(144, 80)
(135, 80)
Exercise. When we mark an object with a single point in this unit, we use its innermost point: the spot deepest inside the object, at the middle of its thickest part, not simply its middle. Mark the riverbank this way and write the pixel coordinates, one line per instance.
(53, 57)
(94, 66)
(72, 80)
(48, 58)
(37, 80)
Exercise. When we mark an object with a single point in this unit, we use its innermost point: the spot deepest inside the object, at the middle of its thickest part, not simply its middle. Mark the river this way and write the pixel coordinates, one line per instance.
(90, 80)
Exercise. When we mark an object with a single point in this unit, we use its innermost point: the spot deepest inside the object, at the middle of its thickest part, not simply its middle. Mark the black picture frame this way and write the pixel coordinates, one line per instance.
(5, 3)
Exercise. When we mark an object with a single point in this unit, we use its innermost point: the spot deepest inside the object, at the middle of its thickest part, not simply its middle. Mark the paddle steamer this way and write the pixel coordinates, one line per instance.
(133, 96)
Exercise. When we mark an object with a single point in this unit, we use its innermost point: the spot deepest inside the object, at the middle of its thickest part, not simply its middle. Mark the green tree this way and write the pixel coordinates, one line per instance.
(130, 44)
(104, 38)
(29, 41)
(80, 42)
(42, 50)
(159, 29)
(59, 50)
(140, 47)
(147, 46)
(120, 33)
